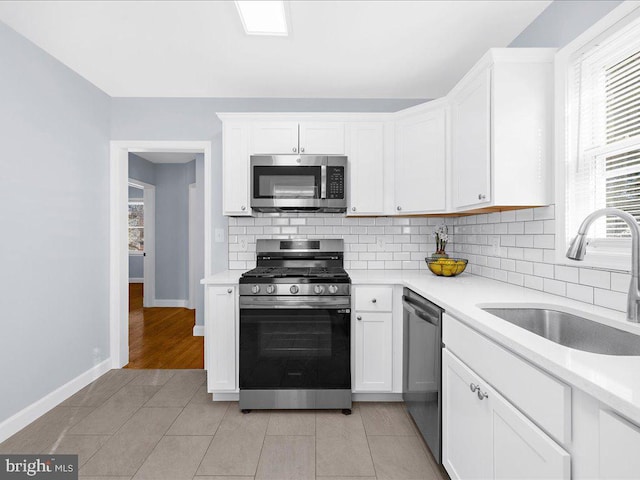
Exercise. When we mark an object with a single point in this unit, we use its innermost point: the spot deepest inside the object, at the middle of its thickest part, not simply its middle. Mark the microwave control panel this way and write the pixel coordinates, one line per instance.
(335, 182)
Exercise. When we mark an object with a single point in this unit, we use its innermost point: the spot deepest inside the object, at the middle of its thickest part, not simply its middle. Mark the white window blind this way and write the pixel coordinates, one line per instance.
(603, 153)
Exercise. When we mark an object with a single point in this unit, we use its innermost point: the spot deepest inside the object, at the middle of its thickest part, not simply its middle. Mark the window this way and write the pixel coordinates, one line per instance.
(136, 226)
(603, 141)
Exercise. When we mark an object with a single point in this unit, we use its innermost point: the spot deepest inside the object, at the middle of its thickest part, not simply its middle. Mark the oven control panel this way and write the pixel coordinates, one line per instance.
(297, 289)
(335, 182)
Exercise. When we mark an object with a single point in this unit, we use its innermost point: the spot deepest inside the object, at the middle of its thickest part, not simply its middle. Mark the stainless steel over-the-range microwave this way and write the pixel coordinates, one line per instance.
(305, 183)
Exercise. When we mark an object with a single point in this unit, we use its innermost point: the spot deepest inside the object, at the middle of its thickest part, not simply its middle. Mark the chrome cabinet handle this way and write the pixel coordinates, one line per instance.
(481, 196)
(294, 149)
(359, 317)
(482, 395)
(353, 209)
(302, 150)
(373, 300)
(243, 208)
(473, 387)
(398, 208)
(229, 290)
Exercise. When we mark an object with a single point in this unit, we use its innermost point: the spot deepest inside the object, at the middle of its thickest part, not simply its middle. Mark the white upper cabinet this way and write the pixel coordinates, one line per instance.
(365, 151)
(501, 130)
(420, 163)
(471, 149)
(310, 138)
(274, 137)
(235, 168)
(322, 138)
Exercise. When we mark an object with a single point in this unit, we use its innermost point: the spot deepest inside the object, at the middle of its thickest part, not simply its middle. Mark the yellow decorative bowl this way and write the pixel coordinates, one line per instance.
(446, 267)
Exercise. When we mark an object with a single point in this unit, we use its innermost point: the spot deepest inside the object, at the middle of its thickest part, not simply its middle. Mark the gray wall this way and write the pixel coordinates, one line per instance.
(141, 169)
(54, 251)
(172, 230)
(562, 21)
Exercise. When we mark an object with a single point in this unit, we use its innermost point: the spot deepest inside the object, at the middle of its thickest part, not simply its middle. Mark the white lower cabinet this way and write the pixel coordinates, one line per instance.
(619, 444)
(221, 338)
(485, 437)
(373, 345)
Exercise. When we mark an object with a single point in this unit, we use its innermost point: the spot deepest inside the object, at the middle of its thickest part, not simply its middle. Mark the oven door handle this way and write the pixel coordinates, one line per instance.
(330, 303)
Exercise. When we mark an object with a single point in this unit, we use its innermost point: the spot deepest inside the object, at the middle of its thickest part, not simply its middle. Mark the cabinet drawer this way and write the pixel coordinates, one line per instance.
(373, 299)
(544, 399)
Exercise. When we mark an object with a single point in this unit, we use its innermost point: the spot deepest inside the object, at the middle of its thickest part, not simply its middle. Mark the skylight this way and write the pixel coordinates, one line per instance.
(262, 17)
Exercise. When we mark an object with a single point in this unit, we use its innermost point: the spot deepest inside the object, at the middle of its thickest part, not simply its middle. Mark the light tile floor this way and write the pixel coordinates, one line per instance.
(162, 424)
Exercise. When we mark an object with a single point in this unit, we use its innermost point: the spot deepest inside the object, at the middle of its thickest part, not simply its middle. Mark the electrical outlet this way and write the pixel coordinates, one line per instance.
(381, 242)
(495, 245)
(243, 244)
(219, 235)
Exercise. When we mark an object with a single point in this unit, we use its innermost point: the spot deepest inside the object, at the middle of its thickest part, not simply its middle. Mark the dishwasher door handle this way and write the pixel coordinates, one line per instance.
(414, 309)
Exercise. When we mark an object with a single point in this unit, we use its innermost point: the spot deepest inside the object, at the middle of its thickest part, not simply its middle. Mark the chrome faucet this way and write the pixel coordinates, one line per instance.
(578, 247)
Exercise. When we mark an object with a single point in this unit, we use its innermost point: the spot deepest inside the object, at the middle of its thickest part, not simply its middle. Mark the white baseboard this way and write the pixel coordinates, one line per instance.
(27, 415)
(198, 330)
(136, 280)
(170, 303)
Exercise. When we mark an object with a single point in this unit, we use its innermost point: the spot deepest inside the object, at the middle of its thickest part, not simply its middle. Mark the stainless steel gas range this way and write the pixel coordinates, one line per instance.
(295, 327)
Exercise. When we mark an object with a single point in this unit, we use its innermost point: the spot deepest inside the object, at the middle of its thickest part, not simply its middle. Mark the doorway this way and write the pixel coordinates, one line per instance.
(174, 348)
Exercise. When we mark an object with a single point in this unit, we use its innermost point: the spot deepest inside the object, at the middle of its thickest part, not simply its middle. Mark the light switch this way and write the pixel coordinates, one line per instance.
(218, 235)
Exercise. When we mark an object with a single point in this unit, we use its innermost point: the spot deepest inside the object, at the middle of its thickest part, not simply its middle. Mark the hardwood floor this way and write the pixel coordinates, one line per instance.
(162, 337)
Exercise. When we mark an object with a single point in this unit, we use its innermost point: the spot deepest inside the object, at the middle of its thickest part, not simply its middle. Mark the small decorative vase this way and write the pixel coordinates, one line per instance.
(439, 255)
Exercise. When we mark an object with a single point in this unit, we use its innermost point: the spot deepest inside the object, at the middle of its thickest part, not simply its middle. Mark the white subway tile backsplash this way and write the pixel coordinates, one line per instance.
(610, 299)
(595, 278)
(581, 293)
(525, 252)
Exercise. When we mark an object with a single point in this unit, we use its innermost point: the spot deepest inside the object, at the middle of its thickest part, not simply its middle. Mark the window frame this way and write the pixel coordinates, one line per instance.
(136, 201)
(613, 254)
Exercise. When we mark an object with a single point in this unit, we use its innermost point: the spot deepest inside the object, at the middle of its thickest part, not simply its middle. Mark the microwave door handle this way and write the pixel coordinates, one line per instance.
(323, 181)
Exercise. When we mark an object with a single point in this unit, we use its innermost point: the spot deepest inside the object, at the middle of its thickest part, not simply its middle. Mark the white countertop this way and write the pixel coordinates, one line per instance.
(614, 380)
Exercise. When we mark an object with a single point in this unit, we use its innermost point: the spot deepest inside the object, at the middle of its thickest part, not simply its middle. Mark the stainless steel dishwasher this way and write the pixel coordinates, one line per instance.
(422, 382)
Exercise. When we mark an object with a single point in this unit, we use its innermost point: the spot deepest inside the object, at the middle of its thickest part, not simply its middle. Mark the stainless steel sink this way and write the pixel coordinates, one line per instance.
(571, 331)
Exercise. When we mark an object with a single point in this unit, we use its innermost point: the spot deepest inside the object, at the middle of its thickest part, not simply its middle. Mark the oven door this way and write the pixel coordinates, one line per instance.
(301, 344)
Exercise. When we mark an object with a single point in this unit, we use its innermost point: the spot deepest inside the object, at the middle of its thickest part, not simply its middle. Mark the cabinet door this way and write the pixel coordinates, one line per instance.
(485, 437)
(471, 145)
(466, 423)
(235, 169)
(420, 168)
(274, 138)
(322, 138)
(366, 168)
(220, 338)
(619, 446)
(520, 449)
(373, 365)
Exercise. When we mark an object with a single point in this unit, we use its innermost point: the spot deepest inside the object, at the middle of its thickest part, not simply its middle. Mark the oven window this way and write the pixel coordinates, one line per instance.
(282, 349)
(286, 182)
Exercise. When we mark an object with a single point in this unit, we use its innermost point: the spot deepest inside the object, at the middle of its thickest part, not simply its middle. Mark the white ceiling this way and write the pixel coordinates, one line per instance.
(336, 49)
(167, 157)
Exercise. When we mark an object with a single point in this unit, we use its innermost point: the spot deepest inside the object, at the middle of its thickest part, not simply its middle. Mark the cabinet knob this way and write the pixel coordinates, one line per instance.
(295, 149)
(482, 395)
(398, 208)
(473, 387)
(353, 209)
(229, 290)
(359, 317)
(302, 150)
(243, 208)
(373, 300)
(481, 196)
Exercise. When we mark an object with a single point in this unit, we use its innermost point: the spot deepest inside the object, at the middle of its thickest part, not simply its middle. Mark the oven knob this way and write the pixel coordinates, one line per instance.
(255, 289)
(333, 289)
(318, 289)
(271, 289)
(294, 289)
